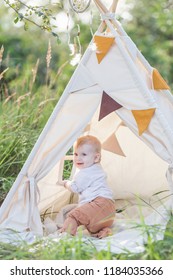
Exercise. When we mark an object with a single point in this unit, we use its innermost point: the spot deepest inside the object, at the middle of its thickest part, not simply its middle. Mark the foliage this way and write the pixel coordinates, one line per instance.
(151, 28)
(44, 14)
(68, 248)
(34, 83)
(158, 250)
(19, 125)
(77, 248)
(32, 76)
(150, 25)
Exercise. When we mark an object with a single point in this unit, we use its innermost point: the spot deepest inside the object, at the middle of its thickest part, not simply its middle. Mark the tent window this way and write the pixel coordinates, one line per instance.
(66, 169)
(68, 166)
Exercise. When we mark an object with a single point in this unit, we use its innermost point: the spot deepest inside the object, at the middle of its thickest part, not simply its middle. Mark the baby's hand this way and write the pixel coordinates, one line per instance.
(66, 184)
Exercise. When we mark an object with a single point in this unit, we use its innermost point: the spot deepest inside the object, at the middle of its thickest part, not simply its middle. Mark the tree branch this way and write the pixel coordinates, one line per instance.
(42, 12)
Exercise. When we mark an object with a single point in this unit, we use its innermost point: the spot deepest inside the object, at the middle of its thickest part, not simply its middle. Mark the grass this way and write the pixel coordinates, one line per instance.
(73, 248)
(24, 110)
(76, 248)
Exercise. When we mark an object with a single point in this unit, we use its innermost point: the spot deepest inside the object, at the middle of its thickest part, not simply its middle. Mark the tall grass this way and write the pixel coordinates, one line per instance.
(24, 110)
(76, 248)
(70, 248)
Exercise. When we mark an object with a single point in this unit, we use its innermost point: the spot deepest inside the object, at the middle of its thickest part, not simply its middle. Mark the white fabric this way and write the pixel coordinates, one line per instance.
(126, 77)
(15, 238)
(90, 183)
(151, 137)
(22, 214)
(119, 82)
(83, 79)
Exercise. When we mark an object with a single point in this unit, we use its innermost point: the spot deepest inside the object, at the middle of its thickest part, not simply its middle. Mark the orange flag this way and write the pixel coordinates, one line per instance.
(143, 118)
(103, 45)
(158, 81)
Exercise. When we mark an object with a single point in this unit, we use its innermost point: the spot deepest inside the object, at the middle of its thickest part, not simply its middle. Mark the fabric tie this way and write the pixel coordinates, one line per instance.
(108, 16)
(33, 197)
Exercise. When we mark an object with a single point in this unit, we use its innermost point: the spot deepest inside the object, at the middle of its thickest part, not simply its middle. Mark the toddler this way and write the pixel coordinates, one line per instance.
(96, 209)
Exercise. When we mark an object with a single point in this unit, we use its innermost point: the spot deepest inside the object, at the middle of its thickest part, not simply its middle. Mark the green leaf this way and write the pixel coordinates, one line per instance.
(26, 26)
(16, 20)
(54, 34)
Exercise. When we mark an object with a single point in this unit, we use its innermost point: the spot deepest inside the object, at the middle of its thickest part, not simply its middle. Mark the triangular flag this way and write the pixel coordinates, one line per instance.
(103, 45)
(112, 145)
(158, 81)
(87, 128)
(143, 118)
(108, 105)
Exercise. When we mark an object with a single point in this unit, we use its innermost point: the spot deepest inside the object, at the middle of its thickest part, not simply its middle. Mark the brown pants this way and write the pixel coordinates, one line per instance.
(95, 216)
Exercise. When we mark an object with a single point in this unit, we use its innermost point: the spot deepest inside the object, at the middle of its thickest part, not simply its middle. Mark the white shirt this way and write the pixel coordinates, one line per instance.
(90, 183)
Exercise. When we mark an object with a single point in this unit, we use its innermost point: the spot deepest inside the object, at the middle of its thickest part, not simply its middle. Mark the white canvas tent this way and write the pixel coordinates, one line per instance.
(117, 96)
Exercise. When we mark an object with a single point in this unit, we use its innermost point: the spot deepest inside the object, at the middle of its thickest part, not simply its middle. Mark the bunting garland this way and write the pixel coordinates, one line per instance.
(103, 45)
(112, 145)
(108, 105)
(158, 81)
(87, 128)
(143, 118)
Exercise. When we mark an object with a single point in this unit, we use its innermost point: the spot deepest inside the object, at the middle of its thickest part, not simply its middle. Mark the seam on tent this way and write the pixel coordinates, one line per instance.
(76, 91)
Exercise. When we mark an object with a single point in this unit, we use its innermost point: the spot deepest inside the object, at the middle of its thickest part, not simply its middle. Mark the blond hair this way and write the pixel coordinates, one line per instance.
(90, 140)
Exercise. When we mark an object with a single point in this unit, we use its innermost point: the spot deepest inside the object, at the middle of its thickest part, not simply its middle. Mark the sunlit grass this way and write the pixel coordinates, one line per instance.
(68, 248)
(24, 110)
(77, 248)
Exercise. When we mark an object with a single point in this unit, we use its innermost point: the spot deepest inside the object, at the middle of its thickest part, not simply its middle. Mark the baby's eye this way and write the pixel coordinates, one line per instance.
(84, 154)
(75, 154)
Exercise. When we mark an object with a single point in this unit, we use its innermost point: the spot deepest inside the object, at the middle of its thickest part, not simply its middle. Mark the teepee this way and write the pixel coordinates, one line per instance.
(116, 95)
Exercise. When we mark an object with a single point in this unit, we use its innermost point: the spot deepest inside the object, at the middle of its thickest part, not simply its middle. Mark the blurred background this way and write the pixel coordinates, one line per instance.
(41, 43)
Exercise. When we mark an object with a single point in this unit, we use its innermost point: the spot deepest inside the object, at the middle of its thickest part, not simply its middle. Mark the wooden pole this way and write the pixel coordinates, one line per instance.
(104, 10)
(101, 6)
(114, 6)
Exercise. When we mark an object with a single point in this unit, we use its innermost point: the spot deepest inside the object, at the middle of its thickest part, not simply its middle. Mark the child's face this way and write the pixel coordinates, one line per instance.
(85, 156)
